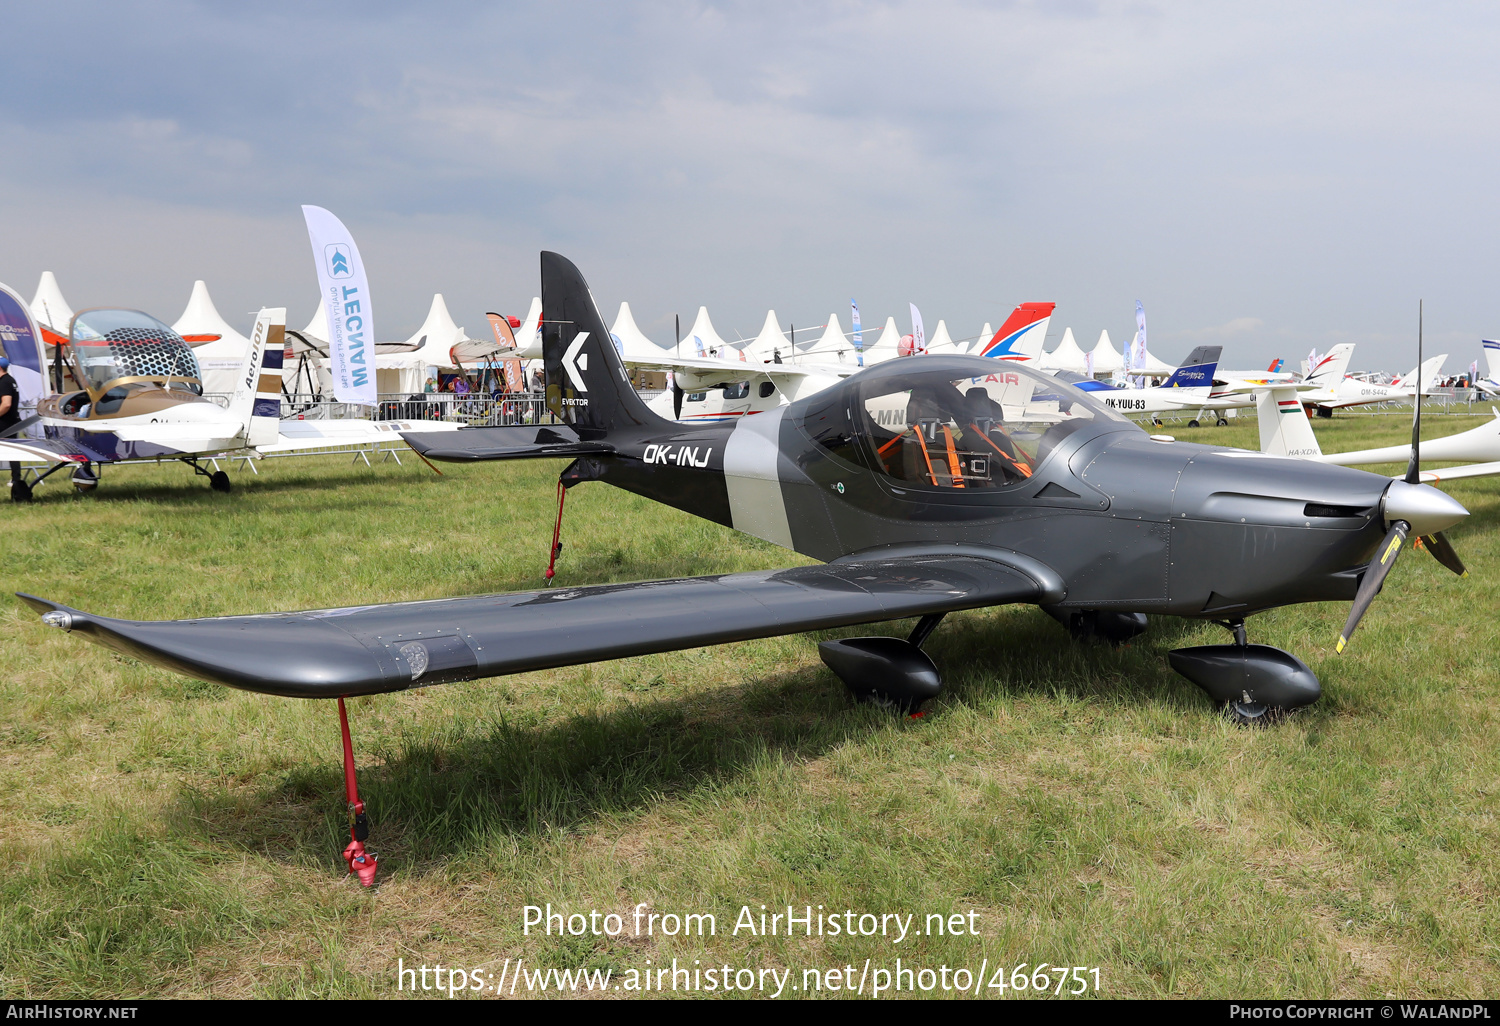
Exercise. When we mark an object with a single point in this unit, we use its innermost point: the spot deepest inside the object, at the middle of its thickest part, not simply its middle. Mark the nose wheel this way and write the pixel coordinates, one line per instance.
(1254, 685)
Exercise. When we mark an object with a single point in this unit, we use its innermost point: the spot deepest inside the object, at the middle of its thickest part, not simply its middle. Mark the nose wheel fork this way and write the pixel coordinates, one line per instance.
(217, 479)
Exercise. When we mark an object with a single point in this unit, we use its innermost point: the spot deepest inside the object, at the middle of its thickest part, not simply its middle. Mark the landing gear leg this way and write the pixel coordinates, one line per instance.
(217, 479)
(1255, 685)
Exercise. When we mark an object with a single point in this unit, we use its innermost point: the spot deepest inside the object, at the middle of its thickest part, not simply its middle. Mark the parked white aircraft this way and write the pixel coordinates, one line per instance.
(1285, 431)
(1187, 388)
(727, 383)
(1345, 391)
(142, 399)
(1491, 384)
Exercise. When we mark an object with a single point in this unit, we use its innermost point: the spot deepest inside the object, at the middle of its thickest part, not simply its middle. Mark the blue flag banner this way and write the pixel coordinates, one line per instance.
(21, 344)
(859, 338)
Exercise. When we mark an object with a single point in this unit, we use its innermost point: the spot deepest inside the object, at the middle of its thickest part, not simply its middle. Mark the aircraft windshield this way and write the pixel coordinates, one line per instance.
(938, 430)
(110, 345)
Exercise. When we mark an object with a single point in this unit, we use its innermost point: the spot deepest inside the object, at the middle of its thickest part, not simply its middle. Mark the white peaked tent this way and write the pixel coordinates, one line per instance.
(1107, 359)
(318, 327)
(833, 343)
(1067, 356)
(703, 332)
(49, 307)
(764, 347)
(632, 341)
(887, 346)
(827, 344)
(833, 346)
(407, 373)
(985, 334)
(1155, 367)
(941, 343)
(220, 359)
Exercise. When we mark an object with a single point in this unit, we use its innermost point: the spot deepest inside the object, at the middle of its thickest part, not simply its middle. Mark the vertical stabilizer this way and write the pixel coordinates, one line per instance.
(587, 385)
(1021, 336)
(257, 390)
(1331, 367)
(1284, 427)
(1198, 370)
(1492, 357)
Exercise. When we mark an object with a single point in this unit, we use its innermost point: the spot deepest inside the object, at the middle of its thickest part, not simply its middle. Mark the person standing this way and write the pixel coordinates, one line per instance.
(10, 412)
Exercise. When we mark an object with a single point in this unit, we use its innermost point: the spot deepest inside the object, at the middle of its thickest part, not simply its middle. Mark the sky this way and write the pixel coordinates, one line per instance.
(1274, 177)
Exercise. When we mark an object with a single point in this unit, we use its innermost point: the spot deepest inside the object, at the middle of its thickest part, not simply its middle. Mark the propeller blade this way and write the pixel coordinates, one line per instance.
(1369, 585)
(1413, 466)
(1443, 551)
(19, 426)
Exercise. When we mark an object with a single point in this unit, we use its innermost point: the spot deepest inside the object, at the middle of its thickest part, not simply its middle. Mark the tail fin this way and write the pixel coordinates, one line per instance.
(1198, 370)
(1492, 356)
(1428, 370)
(1022, 334)
(587, 385)
(257, 390)
(1284, 428)
(1331, 368)
(1276, 366)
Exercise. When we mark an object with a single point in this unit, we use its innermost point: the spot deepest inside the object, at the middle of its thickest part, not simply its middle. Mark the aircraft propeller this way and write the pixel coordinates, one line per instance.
(19, 426)
(1405, 508)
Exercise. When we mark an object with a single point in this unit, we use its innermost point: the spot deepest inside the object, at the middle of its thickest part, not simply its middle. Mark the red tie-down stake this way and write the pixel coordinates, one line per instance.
(362, 864)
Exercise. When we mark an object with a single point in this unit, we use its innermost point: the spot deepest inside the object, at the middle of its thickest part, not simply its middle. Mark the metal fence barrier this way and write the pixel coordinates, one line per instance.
(474, 410)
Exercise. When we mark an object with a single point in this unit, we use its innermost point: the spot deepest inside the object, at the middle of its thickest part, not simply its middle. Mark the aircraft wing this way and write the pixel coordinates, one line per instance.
(707, 367)
(40, 450)
(363, 650)
(518, 442)
(1457, 473)
(310, 435)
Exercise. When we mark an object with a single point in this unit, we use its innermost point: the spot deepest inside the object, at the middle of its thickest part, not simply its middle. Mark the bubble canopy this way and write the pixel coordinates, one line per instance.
(117, 347)
(950, 423)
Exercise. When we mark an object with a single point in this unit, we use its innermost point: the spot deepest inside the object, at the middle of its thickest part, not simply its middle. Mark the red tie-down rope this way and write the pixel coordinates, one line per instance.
(361, 863)
(562, 495)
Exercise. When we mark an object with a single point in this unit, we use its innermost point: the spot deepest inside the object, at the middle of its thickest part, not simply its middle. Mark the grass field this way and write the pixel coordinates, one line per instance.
(160, 836)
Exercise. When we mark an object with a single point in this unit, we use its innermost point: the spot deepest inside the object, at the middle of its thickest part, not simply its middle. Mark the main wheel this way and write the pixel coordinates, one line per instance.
(219, 481)
(1222, 422)
(20, 491)
(1252, 714)
(1194, 423)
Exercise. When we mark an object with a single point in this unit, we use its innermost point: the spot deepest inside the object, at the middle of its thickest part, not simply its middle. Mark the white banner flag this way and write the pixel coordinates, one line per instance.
(346, 298)
(918, 336)
(1138, 350)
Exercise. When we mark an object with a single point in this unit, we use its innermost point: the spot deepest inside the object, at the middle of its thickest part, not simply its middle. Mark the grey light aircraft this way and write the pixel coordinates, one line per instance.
(925, 487)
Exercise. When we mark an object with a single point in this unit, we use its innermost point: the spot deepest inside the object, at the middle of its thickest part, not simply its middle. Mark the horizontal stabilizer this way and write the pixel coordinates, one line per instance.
(520, 442)
(366, 650)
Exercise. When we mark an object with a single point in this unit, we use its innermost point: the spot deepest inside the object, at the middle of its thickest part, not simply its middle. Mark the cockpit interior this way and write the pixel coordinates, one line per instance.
(127, 363)
(950, 427)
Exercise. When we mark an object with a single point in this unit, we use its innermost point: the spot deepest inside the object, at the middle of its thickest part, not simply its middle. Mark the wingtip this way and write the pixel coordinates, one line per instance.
(38, 604)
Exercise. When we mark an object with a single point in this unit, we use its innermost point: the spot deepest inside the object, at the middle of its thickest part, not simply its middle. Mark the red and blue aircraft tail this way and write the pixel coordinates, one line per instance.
(1022, 334)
